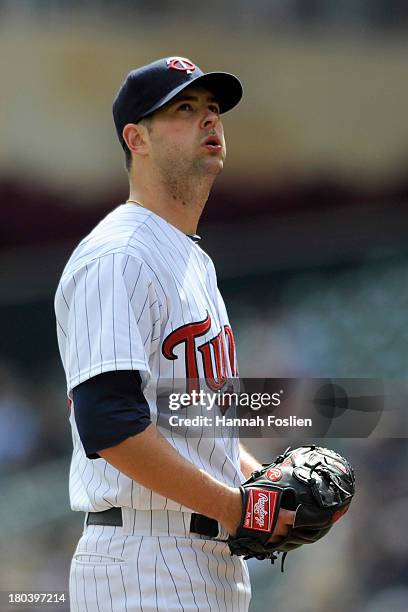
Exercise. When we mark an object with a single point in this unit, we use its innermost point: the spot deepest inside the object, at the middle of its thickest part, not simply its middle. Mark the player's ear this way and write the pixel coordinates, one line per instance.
(135, 136)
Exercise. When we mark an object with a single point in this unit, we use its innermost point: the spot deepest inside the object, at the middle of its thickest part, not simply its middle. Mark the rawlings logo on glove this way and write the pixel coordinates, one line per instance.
(260, 510)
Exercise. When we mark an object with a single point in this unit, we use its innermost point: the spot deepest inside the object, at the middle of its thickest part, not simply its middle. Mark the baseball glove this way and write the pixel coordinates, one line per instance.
(315, 482)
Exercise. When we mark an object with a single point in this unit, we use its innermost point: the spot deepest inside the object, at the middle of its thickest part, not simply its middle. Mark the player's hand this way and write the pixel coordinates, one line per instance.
(286, 518)
(232, 515)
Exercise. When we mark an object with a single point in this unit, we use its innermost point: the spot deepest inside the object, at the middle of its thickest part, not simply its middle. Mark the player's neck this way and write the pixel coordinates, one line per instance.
(180, 205)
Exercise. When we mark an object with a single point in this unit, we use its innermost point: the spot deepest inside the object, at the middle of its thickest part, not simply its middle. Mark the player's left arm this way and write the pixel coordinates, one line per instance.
(248, 463)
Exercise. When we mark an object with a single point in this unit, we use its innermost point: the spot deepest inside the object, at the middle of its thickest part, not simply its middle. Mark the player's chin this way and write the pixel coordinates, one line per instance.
(213, 163)
(215, 166)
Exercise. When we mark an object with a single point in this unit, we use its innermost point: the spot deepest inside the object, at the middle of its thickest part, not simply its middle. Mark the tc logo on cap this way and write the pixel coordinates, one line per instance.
(181, 63)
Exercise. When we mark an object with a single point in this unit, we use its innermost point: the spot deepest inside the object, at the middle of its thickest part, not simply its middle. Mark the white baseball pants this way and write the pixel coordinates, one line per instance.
(154, 564)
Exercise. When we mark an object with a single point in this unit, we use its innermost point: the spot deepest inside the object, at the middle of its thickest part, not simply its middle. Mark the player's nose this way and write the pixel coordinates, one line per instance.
(210, 118)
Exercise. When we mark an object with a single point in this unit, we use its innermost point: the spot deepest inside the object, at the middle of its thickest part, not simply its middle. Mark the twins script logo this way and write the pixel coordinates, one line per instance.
(213, 353)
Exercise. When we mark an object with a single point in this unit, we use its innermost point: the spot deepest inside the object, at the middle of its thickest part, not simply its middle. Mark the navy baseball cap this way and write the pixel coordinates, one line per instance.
(150, 87)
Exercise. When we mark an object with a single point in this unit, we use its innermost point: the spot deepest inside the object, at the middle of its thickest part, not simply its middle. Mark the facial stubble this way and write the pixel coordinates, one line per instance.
(187, 177)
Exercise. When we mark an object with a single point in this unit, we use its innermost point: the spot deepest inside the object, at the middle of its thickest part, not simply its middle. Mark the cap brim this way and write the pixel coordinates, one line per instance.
(226, 87)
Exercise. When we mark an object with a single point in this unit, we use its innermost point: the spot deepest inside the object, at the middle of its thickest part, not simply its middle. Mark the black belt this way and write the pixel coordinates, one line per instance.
(113, 517)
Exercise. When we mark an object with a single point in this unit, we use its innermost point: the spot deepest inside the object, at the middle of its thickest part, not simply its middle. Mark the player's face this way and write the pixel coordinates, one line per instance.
(187, 136)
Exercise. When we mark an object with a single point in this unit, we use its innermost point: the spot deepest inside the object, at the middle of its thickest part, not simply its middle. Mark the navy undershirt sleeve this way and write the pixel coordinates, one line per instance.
(109, 408)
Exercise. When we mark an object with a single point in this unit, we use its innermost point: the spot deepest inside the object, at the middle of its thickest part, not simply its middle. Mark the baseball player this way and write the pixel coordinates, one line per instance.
(138, 309)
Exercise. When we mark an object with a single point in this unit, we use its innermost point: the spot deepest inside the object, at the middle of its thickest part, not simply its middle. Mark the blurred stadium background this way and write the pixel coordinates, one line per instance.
(307, 228)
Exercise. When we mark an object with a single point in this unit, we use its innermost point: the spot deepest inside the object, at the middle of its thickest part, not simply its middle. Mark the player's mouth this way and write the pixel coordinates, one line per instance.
(212, 143)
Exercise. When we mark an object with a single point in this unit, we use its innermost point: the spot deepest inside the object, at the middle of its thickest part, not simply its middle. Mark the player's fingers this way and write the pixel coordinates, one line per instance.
(284, 522)
(286, 518)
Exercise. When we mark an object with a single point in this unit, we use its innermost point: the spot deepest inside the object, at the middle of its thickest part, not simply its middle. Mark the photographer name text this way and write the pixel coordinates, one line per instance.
(224, 421)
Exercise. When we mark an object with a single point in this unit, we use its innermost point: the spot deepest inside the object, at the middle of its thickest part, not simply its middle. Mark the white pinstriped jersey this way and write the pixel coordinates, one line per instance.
(138, 294)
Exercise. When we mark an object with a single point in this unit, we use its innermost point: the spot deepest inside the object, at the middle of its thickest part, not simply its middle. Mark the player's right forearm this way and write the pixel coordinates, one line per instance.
(149, 459)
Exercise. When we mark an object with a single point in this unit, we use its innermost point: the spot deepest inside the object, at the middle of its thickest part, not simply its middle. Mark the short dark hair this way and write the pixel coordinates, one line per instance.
(146, 121)
(128, 159)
